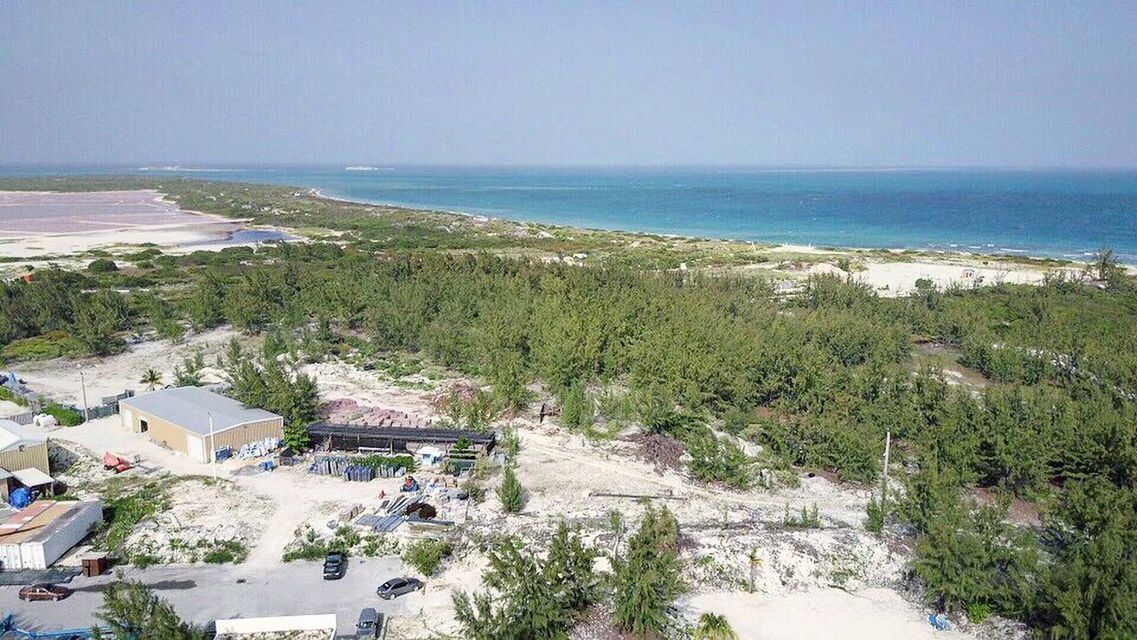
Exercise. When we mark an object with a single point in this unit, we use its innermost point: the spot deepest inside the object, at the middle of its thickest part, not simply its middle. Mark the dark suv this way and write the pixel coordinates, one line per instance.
(370, 622)
(335, 564)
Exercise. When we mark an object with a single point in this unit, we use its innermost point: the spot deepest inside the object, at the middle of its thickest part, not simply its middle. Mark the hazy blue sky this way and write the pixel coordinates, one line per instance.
(754, 83)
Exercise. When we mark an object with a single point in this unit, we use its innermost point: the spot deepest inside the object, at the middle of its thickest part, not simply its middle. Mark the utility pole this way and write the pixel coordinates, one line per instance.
(83, 386)
(212, 446)
(884, 474)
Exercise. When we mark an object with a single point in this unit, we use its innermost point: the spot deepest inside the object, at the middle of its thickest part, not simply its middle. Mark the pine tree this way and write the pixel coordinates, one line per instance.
(529, 597)
(131, 612)
(510, 492)
(647, 581)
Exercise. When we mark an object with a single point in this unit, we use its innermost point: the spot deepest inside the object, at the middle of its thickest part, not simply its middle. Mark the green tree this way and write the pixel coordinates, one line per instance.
(1091, 590)
(98, 318)
(647, 580)
(510, 493)
(131, 612)
(528, 597)
(188, 373)
(206, 303)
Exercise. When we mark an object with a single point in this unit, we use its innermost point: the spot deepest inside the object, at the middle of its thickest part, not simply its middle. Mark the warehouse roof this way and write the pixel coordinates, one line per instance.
(192, 407)
(14, 436)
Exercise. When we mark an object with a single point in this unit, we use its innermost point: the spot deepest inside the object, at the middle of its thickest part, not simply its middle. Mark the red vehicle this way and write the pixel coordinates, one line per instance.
(115, 462)
(53, 592)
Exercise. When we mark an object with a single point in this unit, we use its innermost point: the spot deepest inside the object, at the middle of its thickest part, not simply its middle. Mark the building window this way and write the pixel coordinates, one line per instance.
(143, 427)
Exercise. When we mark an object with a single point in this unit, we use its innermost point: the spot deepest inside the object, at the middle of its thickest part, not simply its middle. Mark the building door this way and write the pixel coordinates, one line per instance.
(142, 426)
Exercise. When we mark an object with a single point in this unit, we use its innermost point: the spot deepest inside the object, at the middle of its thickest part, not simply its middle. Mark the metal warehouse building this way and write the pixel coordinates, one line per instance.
(198, 422)
(39, 534)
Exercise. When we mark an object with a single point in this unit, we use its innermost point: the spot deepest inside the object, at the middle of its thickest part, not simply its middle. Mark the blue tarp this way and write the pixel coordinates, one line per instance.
(20, 498)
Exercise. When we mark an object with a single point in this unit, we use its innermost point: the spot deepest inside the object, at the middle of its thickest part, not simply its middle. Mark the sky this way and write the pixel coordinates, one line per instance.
(873, 84)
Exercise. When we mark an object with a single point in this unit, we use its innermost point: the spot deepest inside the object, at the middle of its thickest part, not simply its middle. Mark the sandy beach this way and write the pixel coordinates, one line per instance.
(40, 224)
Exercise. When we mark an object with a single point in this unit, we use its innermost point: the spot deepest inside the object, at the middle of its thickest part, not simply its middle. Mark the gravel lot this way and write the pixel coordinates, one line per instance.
(205, 593)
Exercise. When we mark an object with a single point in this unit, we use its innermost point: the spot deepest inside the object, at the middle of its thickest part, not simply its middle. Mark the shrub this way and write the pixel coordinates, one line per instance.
(66, 416)
(874, 520)
(6, 394)
(807, 520)
(391, 462)
(53, 344)
(719, 460)
(225, 552)
(102, 265)
(426, 555)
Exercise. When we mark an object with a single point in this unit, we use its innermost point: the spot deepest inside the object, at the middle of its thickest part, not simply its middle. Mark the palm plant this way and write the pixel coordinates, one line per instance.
(712, 626)
(755, 564)
(151, 379)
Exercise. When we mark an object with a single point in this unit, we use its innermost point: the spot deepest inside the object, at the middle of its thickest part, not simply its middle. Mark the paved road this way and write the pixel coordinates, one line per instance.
(206, 593)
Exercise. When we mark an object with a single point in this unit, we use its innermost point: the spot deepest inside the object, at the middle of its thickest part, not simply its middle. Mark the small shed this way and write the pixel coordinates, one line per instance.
(34, 479)
(198, 422)
(429, 455)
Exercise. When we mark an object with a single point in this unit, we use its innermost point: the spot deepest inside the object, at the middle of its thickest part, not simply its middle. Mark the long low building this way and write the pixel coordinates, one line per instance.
(39, 534)
(350, 437)
(198, 422)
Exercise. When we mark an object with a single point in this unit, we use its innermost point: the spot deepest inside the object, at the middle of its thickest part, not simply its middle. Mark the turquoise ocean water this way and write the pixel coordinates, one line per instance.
(1070, 214)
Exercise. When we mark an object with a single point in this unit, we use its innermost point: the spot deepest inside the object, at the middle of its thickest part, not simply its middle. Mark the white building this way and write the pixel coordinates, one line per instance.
(39, 534)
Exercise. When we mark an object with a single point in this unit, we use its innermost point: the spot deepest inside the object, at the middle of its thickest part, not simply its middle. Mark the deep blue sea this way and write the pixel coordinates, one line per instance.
(1055, 213)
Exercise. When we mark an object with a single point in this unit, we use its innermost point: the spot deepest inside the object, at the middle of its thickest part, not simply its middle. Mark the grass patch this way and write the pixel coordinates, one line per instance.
(53, 344)
(346, 540)
(126, 502)
(807, 519)
(65, 416)
(225, 552)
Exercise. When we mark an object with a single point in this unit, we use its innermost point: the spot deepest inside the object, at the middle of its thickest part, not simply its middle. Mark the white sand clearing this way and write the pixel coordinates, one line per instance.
(833, 614)
(899, 278)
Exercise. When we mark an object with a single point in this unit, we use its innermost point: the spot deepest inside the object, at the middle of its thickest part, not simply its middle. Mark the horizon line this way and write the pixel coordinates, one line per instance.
(174, 167)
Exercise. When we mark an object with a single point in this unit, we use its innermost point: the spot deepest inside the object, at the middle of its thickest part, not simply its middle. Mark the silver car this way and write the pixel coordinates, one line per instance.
(396, 587)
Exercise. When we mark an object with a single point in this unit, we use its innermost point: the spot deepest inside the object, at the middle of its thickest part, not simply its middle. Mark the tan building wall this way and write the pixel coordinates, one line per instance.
(32, 457)
(160, 431)
(178, 439)
(246, 433)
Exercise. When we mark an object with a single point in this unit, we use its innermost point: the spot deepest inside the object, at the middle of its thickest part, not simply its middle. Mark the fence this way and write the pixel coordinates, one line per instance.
(108, 405)
(22, 418)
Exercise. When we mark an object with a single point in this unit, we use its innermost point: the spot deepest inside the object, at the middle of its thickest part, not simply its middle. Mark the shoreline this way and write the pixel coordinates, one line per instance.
(1016, 256)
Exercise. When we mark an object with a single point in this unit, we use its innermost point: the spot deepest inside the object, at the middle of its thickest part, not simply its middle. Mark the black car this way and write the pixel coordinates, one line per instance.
(370, 622)
(335, 564)
(396, 587)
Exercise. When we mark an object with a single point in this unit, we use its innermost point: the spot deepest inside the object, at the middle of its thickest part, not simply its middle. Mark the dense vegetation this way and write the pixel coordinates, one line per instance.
(819, 379)
(530, 596)
(132, 612)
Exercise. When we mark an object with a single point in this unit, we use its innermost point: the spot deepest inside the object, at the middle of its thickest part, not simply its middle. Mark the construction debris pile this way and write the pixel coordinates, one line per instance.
(348, 411)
